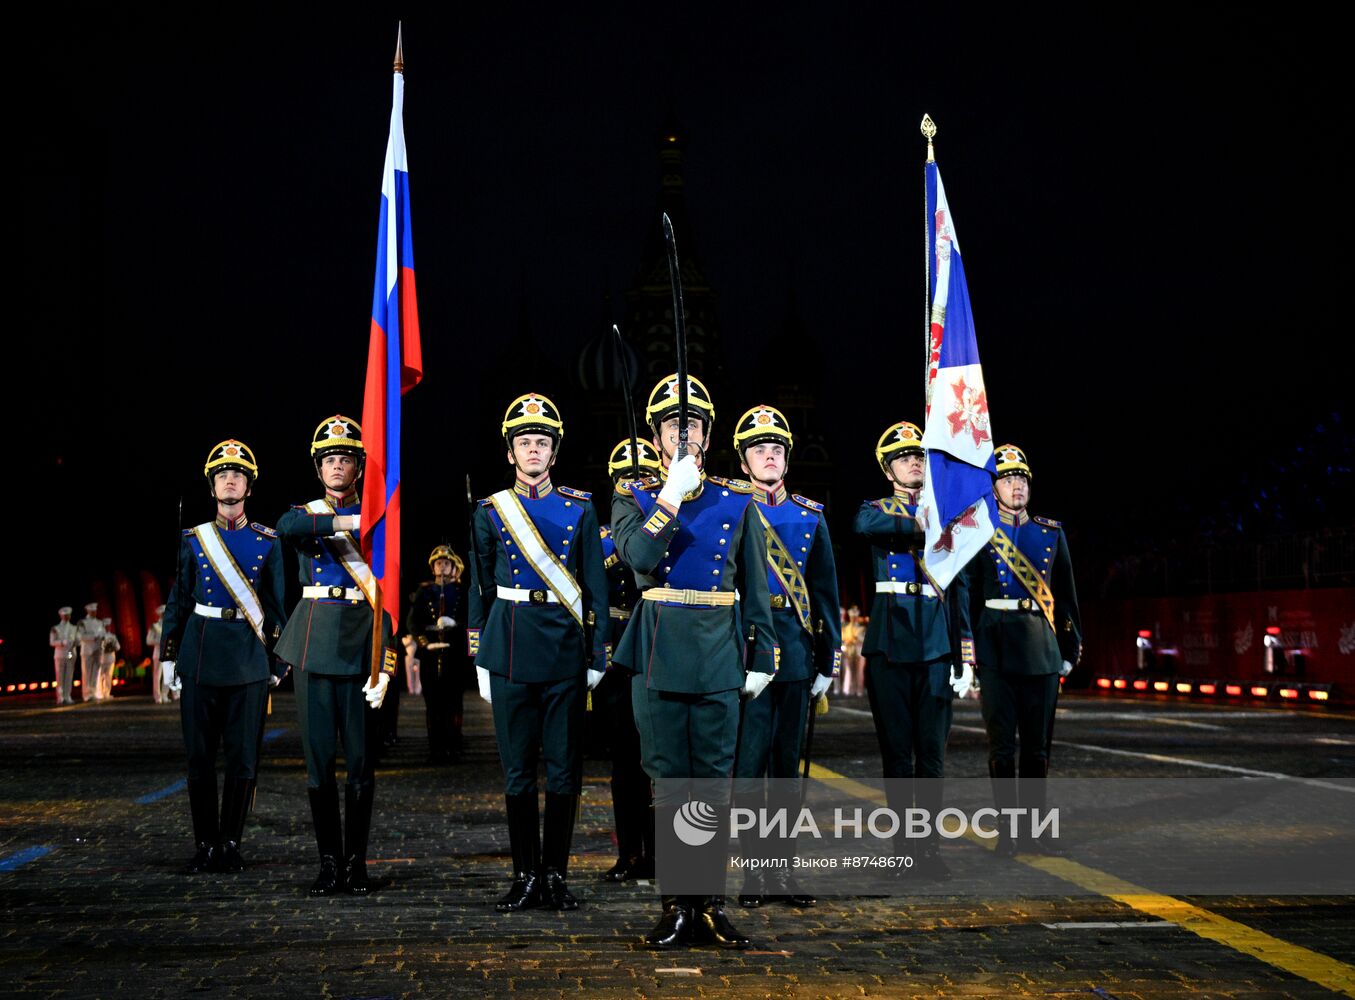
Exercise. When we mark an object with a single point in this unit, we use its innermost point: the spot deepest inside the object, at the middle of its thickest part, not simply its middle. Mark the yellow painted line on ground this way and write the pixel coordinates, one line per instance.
(1302, 962)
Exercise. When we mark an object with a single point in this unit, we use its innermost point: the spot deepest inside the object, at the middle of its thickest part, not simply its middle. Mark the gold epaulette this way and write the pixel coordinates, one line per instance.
(735, 485)
(645, 483)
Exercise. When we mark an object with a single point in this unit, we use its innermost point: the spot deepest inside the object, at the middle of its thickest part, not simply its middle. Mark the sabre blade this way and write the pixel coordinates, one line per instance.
(679, 332)
(630, 403)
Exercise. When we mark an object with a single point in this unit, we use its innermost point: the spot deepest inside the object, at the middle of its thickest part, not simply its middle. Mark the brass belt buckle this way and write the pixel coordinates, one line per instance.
(1024, 604)
(914, 588)
(778, 600)
(228, 614)
(537, 596)
(336, 592)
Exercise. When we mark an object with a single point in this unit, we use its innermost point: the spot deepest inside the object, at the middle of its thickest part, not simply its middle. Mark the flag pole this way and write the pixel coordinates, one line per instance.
(377, 645)
(929, 131)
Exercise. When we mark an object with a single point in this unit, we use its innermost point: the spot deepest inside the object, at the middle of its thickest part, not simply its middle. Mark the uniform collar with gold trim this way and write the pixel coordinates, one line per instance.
(231, 524)
(336, 500)
(908, 496)
(533, 492)
(1017, 517)
(770, 498)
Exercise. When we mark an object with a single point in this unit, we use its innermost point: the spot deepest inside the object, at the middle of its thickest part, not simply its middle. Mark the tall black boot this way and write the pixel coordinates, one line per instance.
(524, 837)
(1003, 774)
(206, 832)
(628, 844)
(234, 808)
(559, 834)
(328, 838)
(357, 820)
(644, 818)
(928, 793)
(1033, 791)
(713, 926)
(675, 926)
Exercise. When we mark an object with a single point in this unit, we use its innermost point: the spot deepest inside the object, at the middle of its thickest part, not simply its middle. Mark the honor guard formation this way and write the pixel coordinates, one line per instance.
(701, 624)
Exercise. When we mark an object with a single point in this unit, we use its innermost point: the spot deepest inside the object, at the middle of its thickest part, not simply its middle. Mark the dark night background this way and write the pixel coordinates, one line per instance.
(1153, 210)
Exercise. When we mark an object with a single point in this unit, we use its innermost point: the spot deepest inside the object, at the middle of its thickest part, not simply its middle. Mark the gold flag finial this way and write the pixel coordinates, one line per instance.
(929, 130)
(399, 47)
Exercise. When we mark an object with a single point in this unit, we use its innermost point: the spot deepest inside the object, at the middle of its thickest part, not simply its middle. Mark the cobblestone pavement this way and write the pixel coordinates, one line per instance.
(94, 833)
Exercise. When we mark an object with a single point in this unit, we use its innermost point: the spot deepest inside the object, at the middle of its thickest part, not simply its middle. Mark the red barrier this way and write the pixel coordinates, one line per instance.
(126, 622)
(1223, 635)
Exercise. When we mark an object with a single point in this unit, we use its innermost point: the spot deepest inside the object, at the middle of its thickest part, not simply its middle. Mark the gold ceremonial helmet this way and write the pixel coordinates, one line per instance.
(1011, 461)
(663, 402)
(231, 454)
(760, 425)
(646, 458)
(337, 435)
(902, 438)
(532, 413)
(445, 552)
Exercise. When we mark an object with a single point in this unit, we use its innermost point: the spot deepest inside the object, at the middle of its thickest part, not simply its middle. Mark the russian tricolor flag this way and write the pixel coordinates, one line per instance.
(394, 361)
(957, 505)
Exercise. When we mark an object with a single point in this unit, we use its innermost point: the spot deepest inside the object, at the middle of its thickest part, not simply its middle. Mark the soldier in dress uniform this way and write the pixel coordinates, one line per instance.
(162, 687)
(108, 659)
(328, 641)
(224, 613)
(538, 604)
(63, 638)
(1028, 634)
(802, 579)
(910, 649)
(613, 715)
(697, 546)
(437, 625)
(90, 633)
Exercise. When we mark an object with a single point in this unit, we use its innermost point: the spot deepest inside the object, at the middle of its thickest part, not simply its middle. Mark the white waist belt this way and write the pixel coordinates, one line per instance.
(1012, 604)
(899, 587)
(333, 593)
(520, 595)
(226, 614)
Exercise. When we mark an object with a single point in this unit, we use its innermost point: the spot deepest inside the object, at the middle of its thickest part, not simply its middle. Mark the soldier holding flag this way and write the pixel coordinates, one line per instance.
(537, 601)
(329, 641)
(224, 613)
(802, 578)
(909, 649)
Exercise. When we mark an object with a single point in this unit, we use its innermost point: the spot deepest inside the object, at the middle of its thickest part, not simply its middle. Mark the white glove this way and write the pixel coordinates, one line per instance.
(445, 622)
(274, 680)
(683, 477)
(482, 678)
(961, 685)
(167, 678)
(754, 683)
(595, 678)
(1066, 669)
(821, 682)
(376, 695)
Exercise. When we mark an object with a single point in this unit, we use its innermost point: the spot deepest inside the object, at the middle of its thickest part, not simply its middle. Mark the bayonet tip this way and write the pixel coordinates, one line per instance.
(667, 228)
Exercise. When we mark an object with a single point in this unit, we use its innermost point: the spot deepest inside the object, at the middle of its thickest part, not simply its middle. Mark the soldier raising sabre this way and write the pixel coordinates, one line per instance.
(537, 599)
(329, 642)
(697, 546)
(1027, 635)
(802, 578)
(222, 619)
